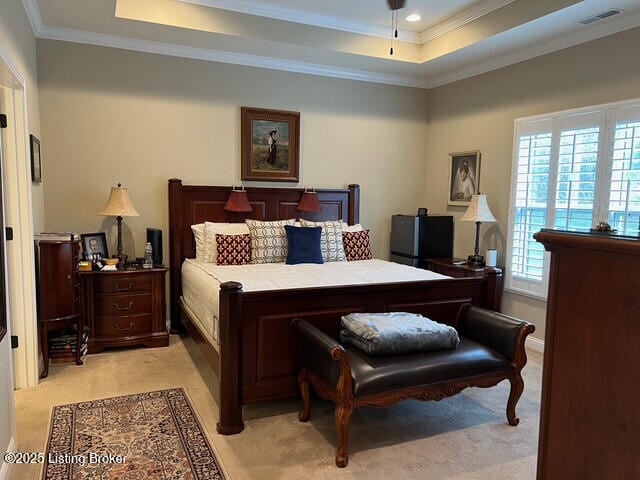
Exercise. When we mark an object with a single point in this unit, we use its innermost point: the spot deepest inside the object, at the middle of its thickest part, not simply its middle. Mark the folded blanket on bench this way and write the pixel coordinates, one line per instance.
(396, 332)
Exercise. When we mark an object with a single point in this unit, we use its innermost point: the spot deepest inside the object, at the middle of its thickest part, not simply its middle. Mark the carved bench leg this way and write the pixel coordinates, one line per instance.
(517, 387)
(303, 385)
(343, 422)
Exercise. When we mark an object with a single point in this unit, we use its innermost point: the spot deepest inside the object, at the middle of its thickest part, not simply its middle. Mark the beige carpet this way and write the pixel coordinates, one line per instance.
(462, 437)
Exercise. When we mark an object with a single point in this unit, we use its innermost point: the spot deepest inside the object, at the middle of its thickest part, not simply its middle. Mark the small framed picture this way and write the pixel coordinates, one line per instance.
(270, 145)
(36, 160)
(94, 244)
(464, 177)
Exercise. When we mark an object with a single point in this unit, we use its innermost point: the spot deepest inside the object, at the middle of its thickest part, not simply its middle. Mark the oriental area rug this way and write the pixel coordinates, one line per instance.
(153, 435)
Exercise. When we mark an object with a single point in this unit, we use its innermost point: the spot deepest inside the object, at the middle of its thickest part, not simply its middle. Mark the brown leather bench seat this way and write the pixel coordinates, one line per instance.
(491, 349)
(386, 373)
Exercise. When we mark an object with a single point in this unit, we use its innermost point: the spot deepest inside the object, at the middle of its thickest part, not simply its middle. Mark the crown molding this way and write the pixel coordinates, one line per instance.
(466, 16)
(536, 50)
(306, 18)
(211, 55)
(33, 14)
(250, 7)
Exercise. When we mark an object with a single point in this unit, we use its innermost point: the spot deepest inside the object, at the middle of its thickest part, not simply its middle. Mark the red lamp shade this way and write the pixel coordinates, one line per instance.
(238, 202)
(309, 202)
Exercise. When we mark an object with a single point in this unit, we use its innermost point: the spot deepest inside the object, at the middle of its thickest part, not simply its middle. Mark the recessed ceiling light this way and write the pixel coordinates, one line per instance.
(414, 17)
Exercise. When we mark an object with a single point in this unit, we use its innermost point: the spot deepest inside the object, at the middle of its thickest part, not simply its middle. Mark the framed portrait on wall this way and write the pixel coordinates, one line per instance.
(270, 145)
(36, 161)
(464, 177)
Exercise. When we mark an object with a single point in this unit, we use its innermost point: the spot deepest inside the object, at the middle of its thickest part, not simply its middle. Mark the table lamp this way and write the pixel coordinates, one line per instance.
(119, 205)
(478, 211)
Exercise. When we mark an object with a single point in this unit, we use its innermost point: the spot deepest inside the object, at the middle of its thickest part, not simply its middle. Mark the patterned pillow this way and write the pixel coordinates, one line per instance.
(357, 245)
(268, 240)
(212, 229)
(233, 249)
(330, 240)
(351, 228)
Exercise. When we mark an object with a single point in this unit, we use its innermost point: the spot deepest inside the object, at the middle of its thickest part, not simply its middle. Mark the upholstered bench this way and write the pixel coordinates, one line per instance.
(491, 349)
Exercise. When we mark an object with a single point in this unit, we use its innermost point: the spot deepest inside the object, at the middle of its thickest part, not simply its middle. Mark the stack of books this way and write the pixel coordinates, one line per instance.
(62, 345)
(58, 236)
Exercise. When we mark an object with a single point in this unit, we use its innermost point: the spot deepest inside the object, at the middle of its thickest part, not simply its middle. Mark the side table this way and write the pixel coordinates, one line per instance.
(452, 268)
(125, 308)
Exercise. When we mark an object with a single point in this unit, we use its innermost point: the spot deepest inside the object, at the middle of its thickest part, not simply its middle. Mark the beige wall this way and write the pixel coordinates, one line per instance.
(479, 113)
(113, 116)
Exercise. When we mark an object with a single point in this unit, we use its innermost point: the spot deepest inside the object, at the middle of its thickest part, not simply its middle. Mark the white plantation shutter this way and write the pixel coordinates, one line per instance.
(570, 171)
(530, 214)
(624, 191)
(576, 179)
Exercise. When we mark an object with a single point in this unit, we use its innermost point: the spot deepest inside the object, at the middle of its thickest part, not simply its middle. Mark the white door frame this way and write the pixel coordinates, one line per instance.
(21, 302)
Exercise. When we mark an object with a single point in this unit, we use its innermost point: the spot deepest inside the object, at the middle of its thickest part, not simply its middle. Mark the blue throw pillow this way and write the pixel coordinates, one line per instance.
(304, 244)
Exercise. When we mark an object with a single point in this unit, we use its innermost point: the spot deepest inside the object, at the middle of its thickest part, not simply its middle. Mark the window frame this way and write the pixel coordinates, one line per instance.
(606, 117)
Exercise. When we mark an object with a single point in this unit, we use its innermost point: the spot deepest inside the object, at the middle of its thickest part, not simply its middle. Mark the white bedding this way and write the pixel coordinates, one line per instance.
(201, 281)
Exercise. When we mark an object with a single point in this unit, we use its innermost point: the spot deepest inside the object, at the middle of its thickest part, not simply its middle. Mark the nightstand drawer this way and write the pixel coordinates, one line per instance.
(122, 304)
(122, 326)
(122, 283)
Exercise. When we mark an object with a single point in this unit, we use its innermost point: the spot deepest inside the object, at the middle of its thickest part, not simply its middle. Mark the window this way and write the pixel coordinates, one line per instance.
(571, 170)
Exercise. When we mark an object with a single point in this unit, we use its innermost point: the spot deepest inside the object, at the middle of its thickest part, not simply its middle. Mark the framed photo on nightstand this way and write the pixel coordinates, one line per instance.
(94, 243)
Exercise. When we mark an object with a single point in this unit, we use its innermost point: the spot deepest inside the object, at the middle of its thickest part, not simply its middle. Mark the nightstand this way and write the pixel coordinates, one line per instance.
(446, 266)
(125, 308)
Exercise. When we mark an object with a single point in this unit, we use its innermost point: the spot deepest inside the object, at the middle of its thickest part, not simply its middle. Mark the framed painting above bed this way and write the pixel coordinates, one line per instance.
(270, 145)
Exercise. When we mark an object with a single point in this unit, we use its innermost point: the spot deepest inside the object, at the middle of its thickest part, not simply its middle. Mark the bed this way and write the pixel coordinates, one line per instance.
(255, 354)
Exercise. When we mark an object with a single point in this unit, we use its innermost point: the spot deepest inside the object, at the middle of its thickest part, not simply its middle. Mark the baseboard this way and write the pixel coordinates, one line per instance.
(5, 469)
(535, 344)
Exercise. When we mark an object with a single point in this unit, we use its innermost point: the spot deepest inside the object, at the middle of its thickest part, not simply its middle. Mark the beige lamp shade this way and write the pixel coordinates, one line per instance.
(119, 204)
(478, 210)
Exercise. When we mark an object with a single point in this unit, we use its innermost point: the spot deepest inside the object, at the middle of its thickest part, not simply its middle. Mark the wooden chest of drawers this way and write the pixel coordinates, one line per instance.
(125, 308)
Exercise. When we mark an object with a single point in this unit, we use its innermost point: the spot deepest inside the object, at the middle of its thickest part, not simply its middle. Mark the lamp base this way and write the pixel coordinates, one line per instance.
(122, 260)
(475, 260)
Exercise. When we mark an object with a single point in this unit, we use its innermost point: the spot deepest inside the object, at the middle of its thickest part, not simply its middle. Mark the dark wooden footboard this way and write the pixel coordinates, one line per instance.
(257, 343)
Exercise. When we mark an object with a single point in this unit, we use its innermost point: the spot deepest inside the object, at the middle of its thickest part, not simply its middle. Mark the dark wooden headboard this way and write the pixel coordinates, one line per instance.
(193, 204)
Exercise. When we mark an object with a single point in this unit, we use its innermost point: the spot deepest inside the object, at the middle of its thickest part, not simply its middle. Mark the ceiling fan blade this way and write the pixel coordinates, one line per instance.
(395, 4)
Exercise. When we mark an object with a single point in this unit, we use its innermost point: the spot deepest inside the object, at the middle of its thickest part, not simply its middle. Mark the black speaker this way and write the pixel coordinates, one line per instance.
(154, 237)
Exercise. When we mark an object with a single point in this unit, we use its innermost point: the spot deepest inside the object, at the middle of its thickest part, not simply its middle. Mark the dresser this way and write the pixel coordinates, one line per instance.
(589, 418)
(58, 292)
(453, 268)
(125, 308)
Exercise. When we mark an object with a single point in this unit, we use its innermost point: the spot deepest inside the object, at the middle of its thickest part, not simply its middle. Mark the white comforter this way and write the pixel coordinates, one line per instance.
(201, 281)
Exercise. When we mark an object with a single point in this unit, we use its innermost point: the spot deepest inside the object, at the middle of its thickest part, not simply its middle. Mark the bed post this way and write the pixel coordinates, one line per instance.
(495, 280)
(354, 204)
(230, 342)
(175, 251)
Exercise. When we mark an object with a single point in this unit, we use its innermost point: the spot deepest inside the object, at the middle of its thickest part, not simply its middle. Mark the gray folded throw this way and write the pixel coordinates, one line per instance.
(396, 332)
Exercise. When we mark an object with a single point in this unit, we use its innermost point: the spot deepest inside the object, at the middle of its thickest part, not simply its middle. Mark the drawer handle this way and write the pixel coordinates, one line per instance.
(121, 329)
(118, 289)
(122, 309)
